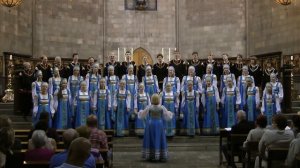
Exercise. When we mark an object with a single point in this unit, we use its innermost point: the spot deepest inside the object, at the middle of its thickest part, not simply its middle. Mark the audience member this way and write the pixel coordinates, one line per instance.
(42, 124)
(276, 137)
(39, 150)
(84, 131)
(97, 137)
(296, 125)
(294, 150)
(58, 159)
(50, 142)
(6, 139)
(242, 127)
(79, 151)
(256, 134)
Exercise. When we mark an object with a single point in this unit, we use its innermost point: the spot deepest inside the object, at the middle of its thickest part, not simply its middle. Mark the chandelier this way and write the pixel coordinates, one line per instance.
(284, 2)
(10, 3)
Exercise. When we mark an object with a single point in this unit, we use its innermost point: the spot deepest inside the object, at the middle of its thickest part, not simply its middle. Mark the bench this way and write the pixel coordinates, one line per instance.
(45, 164)
(251, 151)
(235, 142)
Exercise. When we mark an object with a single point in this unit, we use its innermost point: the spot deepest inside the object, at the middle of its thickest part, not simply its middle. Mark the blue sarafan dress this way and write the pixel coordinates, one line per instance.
(73, 87)
(103, 104)
(210, 98)
(252, 102)
(62, 119)
(131, 86)
(243, 89)
(154, 143)
(151, 84)
(230, 98)
(92, 81)
(143, 101)
(112, 84)
(170, 101)
(190, 110)
(270, 106)
(82, 108)
(43, 103)
(122, 102)
(54, 84)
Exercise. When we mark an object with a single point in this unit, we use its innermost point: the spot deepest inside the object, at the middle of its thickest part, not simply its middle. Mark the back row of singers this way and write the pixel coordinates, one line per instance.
(123, 93)
(160, 68)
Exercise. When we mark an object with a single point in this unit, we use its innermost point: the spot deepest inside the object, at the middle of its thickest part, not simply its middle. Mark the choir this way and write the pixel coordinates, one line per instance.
(118, 95)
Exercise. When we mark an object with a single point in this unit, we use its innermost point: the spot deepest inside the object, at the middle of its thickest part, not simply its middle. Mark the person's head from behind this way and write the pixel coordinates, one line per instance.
(92, 121)
(84, 131)
(279, 121)
(261, 121)
(79, 151)
(68, 136)
(5, 121)
(155, 99)
(39, 138)
(7, 138)
(241, 115)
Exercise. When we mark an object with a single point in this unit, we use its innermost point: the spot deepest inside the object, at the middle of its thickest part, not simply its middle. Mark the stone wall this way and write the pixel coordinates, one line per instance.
(16, 28)
(272, 27)
(212, 25)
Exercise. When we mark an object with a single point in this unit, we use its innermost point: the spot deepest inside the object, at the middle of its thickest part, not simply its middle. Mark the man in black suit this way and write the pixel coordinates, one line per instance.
(242, 127)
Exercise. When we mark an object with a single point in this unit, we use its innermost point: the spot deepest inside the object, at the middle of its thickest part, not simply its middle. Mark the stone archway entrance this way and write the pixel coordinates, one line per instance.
(138, 55)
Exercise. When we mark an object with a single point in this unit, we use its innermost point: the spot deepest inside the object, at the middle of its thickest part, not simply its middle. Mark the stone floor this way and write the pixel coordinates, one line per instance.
(198, 152)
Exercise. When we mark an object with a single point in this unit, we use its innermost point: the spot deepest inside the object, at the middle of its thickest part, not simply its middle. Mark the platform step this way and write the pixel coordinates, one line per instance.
(295, 103)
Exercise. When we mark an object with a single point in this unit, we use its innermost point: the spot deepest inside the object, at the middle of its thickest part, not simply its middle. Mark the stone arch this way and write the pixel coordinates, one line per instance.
(138, 55)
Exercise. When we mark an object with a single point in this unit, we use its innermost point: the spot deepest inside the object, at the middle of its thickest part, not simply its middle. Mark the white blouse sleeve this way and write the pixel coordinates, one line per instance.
(50, 86)
(143, 113)
(217, 95)
(156, 83)
(135, 101)
(87, 80)
(199, 85)
(197, 99)
(33, 90)
(215, 81)
(109, 98)
(233, 80)
(178, 85)
(51, 105)
(167, 114)
(257, 98)
(278, 108)
(94, 98)
(35, 104)
(182, 83)
(280, 94)
(55, 100)
(223, 96)
(128, 100)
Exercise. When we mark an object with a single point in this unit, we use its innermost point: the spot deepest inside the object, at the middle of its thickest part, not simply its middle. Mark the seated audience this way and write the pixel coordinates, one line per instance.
(296, 125)
(6, 139)
(294, 150)
(256, 134)
(58, 159)
(242, 127)
(39, 150)
(97, 137)
(42, 124)
(84, 131)
(79, 151)
(275, 137)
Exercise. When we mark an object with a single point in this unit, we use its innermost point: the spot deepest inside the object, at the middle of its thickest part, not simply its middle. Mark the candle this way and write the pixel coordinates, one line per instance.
(124, 54)
(10, 57)
(118, 54)
(162, 51)
(169, 54)
(131, 51)
(292, 58)
(175, 49)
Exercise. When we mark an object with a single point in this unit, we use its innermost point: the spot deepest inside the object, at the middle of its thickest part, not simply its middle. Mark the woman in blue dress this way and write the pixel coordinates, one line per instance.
(43, 102)
(170, 100)
(190, 110)
(36, 85)
(92, 80)
(270, 103)
(131, 85)
(242, 85)
(155, 146)
(82, 105)
(174, 80)
(54, 82)
(112, 83)
(142, 100)
(62, 98)
(102, 104)
(209, 73)
(226, 74)
(210, 100)
(74, 85)
(196, 80)
(231, 99)
(122, 108)
(150, 82)
(252, 100)
(276, 86)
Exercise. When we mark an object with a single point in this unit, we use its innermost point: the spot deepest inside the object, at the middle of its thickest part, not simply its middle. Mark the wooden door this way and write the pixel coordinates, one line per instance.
(138, 55)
